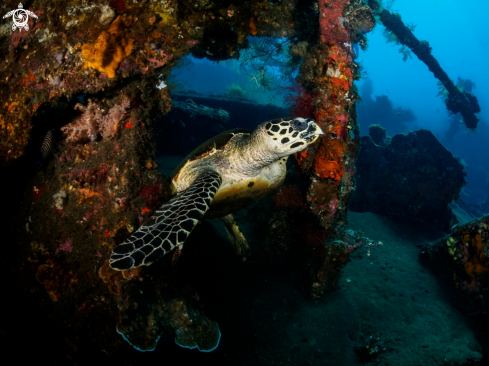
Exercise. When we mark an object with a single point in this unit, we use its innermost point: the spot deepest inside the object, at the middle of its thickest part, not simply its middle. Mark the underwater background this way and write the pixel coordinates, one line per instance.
(372, 250)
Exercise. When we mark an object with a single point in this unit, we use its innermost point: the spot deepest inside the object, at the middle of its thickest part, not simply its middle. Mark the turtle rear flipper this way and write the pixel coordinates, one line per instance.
(169, 227)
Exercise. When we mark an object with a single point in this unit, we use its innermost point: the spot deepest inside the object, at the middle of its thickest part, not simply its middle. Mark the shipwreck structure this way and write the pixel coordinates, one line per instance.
(90, 73)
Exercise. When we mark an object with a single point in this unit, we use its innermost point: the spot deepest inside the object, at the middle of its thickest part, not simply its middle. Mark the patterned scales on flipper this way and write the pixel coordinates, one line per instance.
(169, 227)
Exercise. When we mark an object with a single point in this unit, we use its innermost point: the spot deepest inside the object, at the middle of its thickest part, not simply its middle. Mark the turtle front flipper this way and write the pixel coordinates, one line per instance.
(169, 227)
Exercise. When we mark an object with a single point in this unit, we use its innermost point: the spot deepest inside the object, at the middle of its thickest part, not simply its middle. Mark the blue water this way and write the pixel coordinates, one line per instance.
(459, 37)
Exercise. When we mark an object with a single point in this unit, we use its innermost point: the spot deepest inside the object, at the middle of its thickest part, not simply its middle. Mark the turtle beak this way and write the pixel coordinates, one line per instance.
(312, 133)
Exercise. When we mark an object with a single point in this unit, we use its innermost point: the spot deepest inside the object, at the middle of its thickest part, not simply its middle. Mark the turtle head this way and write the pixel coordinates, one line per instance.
(291, 135)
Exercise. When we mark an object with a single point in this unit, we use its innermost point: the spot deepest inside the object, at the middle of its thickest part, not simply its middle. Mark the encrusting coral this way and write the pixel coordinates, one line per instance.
(463, 257)
(57, 279)
(110, 277)
(148, 311)
(110, 48)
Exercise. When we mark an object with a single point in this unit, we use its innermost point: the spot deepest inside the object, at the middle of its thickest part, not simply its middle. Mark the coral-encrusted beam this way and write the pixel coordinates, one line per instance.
(331, 21)
(332, 163)
(457, 101)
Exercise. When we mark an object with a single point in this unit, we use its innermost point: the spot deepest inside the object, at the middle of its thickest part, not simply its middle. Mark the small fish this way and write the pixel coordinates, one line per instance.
(45, 147)
(398, 113)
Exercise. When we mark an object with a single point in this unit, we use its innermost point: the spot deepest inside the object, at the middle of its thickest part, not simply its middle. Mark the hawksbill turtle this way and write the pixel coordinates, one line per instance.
(224, 174)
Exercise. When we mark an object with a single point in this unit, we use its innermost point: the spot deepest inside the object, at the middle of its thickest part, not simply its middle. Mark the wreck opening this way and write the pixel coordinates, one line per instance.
(210, 97)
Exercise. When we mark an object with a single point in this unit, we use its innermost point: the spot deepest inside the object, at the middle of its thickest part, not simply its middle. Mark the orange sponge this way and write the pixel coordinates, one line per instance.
(110, 48)
(330, 159)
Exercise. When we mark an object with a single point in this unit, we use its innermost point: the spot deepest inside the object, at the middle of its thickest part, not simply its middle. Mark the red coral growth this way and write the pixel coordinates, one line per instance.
(332, 22)
(477, 263)
(152, 195)
(330, 159)
(341, 83)
(300, 102)
(339, 55)
(340, 126)
(339, 60)
(92, 122)
(28, 80)
(156, 63)
(301, 157)
(289, 197)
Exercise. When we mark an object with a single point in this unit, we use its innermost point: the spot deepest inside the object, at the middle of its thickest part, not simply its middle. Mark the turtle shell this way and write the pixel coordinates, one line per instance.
(218, 141)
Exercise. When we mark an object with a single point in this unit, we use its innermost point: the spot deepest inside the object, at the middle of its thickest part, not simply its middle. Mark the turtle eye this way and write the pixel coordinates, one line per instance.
(299, 124)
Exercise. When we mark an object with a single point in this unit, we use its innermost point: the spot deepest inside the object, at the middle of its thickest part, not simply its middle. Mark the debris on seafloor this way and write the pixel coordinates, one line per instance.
(411, 178)
(323, 252)
(326, 262)
(462, 258)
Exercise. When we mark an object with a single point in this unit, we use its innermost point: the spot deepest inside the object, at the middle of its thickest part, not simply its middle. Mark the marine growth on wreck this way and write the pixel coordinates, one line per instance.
(119, 254)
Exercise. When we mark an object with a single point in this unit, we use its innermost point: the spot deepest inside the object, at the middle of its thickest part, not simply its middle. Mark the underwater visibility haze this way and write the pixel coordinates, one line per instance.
(293, 182)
